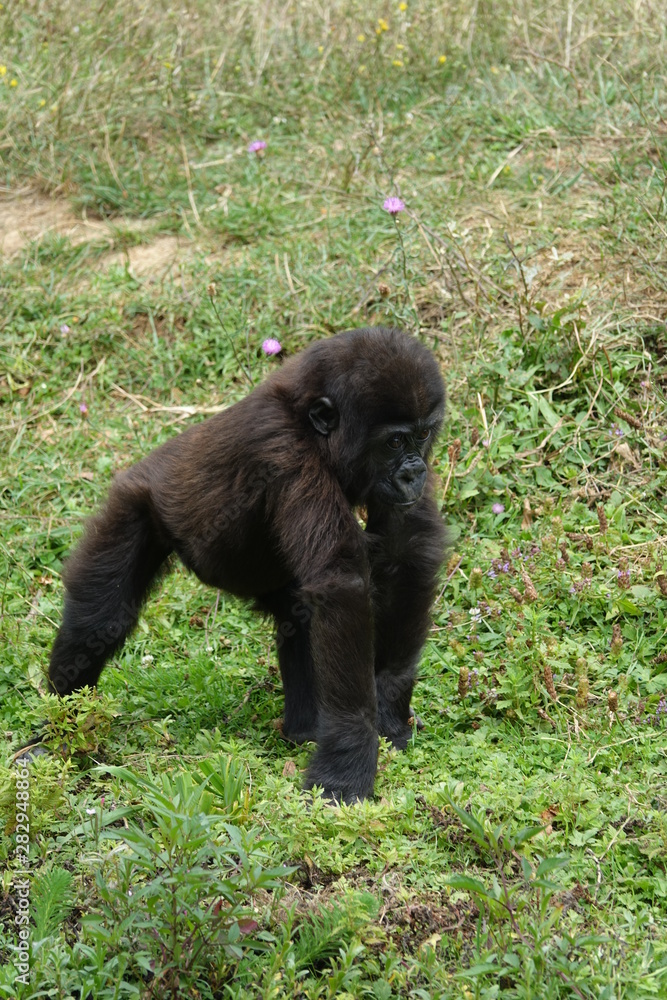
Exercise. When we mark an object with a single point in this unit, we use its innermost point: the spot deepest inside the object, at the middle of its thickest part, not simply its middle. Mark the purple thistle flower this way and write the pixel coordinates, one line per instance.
(393, 205)
(64, 329)
(83, 409)
(272, 346)
(498, 508)
(257, 146)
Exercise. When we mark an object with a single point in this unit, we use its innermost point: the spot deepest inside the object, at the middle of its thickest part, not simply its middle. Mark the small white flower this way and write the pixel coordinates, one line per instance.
(146, 660)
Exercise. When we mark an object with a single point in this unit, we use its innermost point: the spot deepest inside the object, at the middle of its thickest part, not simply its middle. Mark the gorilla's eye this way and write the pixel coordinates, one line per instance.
(423, 435)
(395, 441)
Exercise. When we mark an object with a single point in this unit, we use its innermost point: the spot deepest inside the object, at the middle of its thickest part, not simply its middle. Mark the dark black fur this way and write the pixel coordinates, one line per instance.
(259, 501)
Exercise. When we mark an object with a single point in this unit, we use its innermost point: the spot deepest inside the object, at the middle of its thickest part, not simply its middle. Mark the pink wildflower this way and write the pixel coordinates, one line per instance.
(272, 346)
(258, 146)
(498, 508)
(393, 205)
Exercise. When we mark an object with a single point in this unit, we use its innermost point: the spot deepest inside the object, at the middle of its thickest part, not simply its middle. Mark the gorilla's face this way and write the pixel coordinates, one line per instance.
(388, 463)
(398, 461)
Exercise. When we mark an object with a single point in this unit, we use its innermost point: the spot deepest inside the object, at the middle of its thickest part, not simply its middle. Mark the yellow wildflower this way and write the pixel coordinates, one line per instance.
(361, 38)
(399, 46)
(494, 69)
(320, 49)
(13, 83)
(42, 103)
(402, 6)
(442, 60)
(3, 70)
(397, 62)
(362, 69)
(382, 24)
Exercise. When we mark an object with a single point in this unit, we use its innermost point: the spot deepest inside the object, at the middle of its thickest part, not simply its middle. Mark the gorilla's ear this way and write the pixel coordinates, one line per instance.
(323, 416)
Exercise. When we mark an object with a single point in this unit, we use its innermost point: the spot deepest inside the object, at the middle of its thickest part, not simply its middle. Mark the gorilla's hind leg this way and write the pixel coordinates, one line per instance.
(292, 617)
(106, 581)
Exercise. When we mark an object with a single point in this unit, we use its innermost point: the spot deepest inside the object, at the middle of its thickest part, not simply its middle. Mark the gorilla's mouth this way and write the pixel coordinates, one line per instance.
(396, 496)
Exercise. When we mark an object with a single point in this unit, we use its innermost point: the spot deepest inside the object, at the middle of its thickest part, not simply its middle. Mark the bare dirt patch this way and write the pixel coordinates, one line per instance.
(29, 216)
(151, 258)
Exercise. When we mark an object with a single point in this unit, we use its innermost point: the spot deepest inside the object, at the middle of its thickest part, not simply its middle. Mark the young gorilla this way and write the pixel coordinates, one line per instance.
(259, 501)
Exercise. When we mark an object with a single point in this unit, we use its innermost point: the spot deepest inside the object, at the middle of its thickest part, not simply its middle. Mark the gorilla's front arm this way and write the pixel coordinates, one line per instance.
(406, 551)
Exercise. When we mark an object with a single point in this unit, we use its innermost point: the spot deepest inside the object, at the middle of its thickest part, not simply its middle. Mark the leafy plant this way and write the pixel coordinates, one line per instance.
(52, 901)
(77, 723)
(176, 892)
(519, 914)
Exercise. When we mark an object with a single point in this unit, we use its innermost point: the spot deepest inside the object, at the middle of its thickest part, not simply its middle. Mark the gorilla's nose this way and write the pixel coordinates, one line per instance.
(409, 477)
(412, 479)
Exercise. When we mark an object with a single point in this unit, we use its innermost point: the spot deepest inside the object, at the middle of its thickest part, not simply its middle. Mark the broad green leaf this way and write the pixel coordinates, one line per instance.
(551, 864)
(467, 883)
(547, 411)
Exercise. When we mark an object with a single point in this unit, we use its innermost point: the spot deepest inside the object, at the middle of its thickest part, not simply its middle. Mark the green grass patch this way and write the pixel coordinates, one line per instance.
(517, 848)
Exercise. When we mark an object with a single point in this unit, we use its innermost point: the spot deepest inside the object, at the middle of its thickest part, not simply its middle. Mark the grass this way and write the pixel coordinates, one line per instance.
(517, 848)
